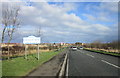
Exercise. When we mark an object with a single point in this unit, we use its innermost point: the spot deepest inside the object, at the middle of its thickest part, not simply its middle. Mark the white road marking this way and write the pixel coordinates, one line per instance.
(110, 64)
(91, 55)
(81, 52)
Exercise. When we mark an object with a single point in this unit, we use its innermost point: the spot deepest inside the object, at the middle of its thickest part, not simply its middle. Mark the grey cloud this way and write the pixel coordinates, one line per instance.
(57, 25)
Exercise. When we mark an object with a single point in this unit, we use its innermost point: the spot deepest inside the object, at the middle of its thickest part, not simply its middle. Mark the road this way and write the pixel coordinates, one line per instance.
(86, 63)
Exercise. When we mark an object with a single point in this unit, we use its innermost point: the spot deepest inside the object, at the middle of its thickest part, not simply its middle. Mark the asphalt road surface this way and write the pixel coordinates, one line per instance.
(86, 63)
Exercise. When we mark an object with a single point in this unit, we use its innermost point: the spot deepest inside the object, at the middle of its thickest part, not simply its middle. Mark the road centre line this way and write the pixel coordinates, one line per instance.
(82, 52)
(110, 64)
(91, 55)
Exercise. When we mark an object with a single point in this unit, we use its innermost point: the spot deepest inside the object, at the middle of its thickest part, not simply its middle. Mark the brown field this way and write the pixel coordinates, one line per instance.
(106, 50)
(19, 49)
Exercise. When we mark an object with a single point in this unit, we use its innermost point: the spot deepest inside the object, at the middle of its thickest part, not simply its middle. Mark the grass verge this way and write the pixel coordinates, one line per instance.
(103, 52)
(20, 66)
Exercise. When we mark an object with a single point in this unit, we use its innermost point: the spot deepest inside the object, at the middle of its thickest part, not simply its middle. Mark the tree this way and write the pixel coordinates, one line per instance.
(10, 22)
(39, 34)
(78, 44)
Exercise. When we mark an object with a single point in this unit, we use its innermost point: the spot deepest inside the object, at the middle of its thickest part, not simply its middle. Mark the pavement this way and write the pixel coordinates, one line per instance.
(86, 63)
(50, 68)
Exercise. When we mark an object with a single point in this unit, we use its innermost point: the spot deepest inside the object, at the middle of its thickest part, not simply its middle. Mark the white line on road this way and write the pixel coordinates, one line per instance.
(90, 55)
(81, 52)
(110, 64)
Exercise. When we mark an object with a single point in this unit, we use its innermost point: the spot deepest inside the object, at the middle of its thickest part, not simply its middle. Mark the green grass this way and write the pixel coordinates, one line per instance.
(20, 66)
(110, 53)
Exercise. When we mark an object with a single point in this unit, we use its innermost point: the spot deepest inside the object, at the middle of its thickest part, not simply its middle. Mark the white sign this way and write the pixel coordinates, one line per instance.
(31, 40)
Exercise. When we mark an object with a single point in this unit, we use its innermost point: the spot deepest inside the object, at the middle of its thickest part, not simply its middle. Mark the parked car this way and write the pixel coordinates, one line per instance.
(74, 48)
(80, 48)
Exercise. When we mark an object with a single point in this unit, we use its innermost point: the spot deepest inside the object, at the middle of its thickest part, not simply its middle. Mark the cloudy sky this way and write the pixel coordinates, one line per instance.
(68, 21)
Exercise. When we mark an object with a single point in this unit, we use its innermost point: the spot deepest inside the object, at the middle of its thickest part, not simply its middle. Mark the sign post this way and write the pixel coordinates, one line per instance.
(38, 51)
(25, 51)
(32, 40)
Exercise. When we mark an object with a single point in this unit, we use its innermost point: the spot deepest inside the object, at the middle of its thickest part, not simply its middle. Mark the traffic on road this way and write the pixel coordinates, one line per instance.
(86, 63)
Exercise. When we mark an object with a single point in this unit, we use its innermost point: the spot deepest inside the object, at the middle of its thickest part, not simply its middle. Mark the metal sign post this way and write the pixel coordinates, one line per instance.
(38, 50)
(32, 40)
(25, 51)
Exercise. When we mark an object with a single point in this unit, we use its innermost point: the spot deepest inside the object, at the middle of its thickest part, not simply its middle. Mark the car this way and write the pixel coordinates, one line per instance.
(74, 48)
(81, 48)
